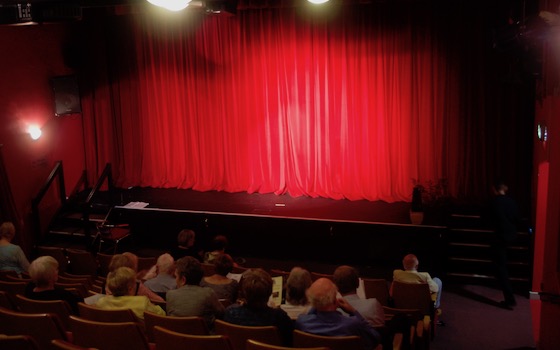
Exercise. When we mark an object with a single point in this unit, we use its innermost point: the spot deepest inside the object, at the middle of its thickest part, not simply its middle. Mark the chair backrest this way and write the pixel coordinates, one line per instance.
(59, 307)
(81, 262)
(108, 336)
(412, 296)
(41, 327)
(208, 269)
(377, 288)
(18, 342)
(13, 288)
(94, 313)
(66, 345)
(257, 345)
(7, 301)
(315, 276)
(86, 281)
(104, 260)
(146, 263)
(194, 325)
(80, 289)
(306, 340)
(170, 340)
(239, 335)
(4, 274)
(56, 252)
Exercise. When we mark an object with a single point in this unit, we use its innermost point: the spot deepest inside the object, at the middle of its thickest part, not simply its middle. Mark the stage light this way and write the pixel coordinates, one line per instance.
(34, 131)
(317, 2)
(171, 5)
(542, 132)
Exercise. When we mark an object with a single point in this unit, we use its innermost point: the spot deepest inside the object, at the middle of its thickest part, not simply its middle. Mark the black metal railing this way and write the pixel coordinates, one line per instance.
(56, 174)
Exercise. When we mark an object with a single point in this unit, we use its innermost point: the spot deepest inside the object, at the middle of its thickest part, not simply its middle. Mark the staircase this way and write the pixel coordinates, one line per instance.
(469, 257)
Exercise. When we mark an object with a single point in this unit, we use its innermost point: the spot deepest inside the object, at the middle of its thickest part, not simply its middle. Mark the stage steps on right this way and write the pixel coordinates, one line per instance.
(469, 256)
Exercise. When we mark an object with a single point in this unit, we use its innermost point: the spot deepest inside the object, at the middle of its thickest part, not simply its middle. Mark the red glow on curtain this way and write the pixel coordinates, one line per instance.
(270, 101)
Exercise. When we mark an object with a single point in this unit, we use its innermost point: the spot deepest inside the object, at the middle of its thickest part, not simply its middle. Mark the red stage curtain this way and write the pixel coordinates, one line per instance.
(277, 100)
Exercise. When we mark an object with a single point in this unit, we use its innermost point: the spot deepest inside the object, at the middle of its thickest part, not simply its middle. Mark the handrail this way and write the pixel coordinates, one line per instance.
(106, 174)
(56, 172)
(82, 182)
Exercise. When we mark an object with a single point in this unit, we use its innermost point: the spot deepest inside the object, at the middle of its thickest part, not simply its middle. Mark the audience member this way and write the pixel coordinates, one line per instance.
(299, 280)
(165, 277)
(121, 288)
(130, 260)
(44, 274)
(324, 319)
(12, 257)
(224, 287)
(347, 280)
(410, 274)
(186, 246)
(190, 299)
(255, 289)
(219, 245)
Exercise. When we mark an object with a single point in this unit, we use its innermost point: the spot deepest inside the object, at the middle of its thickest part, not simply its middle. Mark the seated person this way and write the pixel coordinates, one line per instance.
(12, 257)
(224, 287)
(121, 288)
(324, 318)
(44, 274)
(165, 276)
(410, 274)
(347, 281)
(299, 280)
(255, 290)
(190, 299)
(186, 246)
(219, 245)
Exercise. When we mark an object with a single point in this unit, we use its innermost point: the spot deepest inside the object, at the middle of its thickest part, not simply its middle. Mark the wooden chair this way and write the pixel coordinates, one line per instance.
(194, 325)
(103, 261)
(82, 280)
(18, 342)
(41, 327)
(56, 252)
(108, 336)
(415, 296)
(239, 269)
(209, 269)
(81, 262)
(170, 340)
(315, 276)
(93, 313)
(78, 288)
(377, 288)
(307, 340)
(58, 307)
(13, 288)
(7, 301)
(417, 337)
(66, 345)
(257, 345)
(12, 278)
(239, 335)
(146, 263)
(4, 274)
(111, 234)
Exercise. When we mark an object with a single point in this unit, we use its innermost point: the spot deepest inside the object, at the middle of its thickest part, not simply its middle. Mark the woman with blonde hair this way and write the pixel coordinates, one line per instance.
(12, 257)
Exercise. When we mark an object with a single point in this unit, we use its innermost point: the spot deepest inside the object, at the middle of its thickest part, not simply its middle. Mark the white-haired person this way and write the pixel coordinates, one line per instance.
(121, 284)
(410, 274)
(12, 257)
(165, 276)
(44, 274)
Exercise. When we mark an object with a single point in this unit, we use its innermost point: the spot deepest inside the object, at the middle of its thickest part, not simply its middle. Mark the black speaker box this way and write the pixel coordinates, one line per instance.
(66, 95)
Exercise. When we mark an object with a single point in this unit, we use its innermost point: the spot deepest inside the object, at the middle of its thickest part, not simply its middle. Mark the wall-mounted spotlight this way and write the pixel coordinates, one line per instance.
(34, 131)
(317, 1)
(171, 5)
(542, 132)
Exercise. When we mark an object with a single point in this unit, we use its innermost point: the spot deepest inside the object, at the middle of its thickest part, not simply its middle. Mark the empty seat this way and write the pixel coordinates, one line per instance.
(108, 336)
(41, 327)
(59, 307)
(187, 325)
(169, 340)
(81, 262)
(240, 334)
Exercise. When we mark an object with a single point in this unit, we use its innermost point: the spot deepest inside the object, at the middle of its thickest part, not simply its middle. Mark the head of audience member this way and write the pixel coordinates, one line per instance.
(256, 287)
(224, 264)
(186, 238)
(124, 260)
(346, 279)
(188, 271)
(165, 264)
(7, 231)
(499, 187)
(219, 243)
(44, 272)
(121, 281)
(322, 295)
(299, 280)
(410, 262)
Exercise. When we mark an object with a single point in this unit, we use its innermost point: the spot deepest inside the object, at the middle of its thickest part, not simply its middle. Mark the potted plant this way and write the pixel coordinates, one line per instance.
(431, 197)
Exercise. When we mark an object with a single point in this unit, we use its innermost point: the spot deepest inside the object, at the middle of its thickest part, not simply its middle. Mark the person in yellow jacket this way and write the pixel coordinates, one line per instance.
(121, 287)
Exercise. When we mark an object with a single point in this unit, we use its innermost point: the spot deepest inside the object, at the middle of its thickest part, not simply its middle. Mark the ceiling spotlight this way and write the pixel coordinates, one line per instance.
(34, 131)
(171, 5)
(317, 1)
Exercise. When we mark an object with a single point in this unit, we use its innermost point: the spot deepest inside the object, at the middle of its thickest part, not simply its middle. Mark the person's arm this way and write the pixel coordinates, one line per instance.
(433, 286)
(22, 259)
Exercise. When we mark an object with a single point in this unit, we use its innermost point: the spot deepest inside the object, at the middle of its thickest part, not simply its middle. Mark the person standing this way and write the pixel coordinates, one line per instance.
(504, 219)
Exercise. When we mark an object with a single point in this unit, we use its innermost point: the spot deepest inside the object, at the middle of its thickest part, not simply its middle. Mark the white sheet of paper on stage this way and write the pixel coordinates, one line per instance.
(136, 205)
